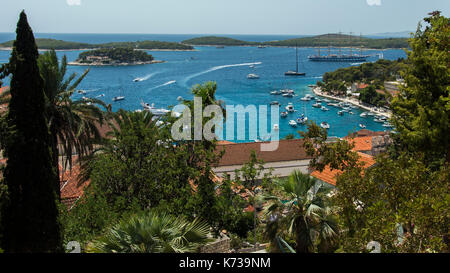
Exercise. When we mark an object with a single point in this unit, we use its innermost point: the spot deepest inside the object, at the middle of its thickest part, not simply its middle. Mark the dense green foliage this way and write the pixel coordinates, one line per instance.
(29, 215)
(322, 40)
(370, 96)
(116, 55)
(44, 43)
(153, 232)
(301, 210)
(378, 73)
(422, 111)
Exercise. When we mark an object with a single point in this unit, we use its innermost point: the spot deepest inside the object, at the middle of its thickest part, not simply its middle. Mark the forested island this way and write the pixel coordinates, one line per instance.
(321, 40)
(114, 56)
(46, 44)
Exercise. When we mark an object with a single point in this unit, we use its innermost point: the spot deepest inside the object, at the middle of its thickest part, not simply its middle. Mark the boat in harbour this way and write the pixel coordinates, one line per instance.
(302, 119)
(324, 109)
(341, 113)
(274, 103)
(284, 114)
(155, 111)
(275, 93)
(290, 107)
(118, 98)
(363, 115)
(362, 126)
(293, 123)
(295, 73)
(252, 76)
(325, 125)
(317, 105)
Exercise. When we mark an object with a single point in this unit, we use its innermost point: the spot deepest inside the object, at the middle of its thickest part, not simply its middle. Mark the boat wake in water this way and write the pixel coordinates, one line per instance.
(162, 85)
(146, 77)
(188, 78)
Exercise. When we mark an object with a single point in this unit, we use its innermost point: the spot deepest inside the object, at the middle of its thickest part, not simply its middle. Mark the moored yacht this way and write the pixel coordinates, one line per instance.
(362, 126)
(284, 114)
(302, 119)
(118, 98)
(293, 123)
(325, 125)
(290, 107)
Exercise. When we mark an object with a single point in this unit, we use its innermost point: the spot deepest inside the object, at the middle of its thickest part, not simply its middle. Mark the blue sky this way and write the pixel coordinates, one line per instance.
(219, 16)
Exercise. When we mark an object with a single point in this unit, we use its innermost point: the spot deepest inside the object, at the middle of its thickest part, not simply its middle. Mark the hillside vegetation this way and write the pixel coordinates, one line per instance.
(321, 40)
(64, 45)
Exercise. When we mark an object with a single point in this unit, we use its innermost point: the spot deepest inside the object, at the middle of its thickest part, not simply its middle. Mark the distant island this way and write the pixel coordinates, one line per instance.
(46, 44)
(316, 41)
(114, 56)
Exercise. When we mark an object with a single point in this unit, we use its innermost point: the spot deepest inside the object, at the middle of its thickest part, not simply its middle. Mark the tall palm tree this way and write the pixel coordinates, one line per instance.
(152, 232)
(72, 124)
(301, 210)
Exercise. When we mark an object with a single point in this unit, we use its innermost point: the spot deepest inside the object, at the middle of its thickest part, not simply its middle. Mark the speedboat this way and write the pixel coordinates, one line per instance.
(325, 125)
(287, 91)
(274, 103)
(317, 105)
(118, 98)
(318, 100)
(290, 107)
(324, 108)
(275, 93)
(363, 115)
(288, 95)
(153, 110)
(378, 120)
(293, 123)
(284, 114)
(362, 126)
(137, 80)
(252, 76)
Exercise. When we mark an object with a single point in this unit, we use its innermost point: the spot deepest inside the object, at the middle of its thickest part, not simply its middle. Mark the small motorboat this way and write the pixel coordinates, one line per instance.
(341, 113)
(138, 80)
(118, 98)
(324, 108)
(302, 119)
(288, 95)
(275, 93)
(293, 123)
(317, 105)
(284, 114)
(305, 99)
(274, 103)
(325, 125)
(82, 92)
(252, 76)
(351, 113)
(290, 108)
(363, 115)
(362, 126)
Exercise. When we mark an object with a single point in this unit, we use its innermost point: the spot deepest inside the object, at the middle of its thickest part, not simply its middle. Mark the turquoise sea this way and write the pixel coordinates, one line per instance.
(229, 67)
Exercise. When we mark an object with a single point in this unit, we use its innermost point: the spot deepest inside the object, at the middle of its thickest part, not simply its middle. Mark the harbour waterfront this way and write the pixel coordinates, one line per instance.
(163, 83)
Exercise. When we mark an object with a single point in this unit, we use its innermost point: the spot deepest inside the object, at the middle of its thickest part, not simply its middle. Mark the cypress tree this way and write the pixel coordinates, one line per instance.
(30, 215)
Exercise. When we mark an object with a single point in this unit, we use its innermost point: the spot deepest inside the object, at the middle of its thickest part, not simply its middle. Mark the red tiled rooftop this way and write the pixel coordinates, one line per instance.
(239, 153)
(361, 143)
(330, 176)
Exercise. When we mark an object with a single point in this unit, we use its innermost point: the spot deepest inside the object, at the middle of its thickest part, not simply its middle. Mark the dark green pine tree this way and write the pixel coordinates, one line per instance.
(30, 215)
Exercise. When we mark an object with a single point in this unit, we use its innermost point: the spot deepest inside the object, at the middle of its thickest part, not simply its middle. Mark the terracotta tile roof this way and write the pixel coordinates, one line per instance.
(330, 176)
(362, 85)
(239, 153)
(365, 132)
(71, 189)
(224, 142)
(361, 143)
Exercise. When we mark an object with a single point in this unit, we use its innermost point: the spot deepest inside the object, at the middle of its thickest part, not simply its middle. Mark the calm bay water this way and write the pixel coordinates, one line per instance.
(165, 82)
